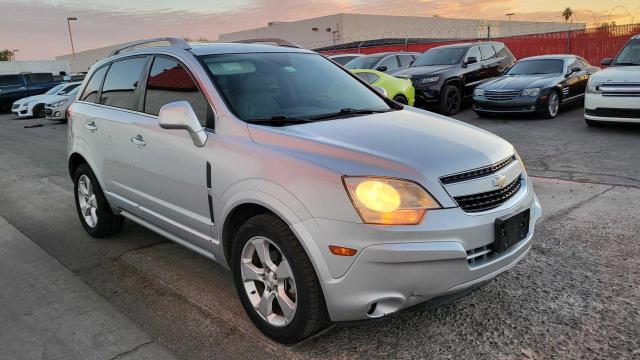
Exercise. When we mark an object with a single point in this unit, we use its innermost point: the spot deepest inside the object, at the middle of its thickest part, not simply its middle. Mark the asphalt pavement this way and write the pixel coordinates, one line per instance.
(574, 296)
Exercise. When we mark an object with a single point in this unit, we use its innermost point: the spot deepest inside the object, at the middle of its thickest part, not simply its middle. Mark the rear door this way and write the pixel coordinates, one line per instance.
(490, 62)
(170, 171)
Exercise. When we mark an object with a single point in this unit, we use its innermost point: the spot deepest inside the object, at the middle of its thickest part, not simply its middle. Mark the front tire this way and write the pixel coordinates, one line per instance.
(38, 111)
(276, 282)
(451, 100)
(553, 105)
(95, 214)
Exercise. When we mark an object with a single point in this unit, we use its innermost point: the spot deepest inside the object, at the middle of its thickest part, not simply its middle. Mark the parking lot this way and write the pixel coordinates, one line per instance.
(575, 295)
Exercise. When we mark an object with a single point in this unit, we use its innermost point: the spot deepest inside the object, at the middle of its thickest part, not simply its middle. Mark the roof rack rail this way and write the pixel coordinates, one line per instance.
(278, 42)
(177, 42)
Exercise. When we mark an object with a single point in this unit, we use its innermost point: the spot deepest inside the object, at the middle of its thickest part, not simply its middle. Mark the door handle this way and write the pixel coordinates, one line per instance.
(138, 140)
(91, 126)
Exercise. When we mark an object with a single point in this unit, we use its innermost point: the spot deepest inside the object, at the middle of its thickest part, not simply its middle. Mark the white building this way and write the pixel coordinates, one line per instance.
(347, 28)
(55, 67)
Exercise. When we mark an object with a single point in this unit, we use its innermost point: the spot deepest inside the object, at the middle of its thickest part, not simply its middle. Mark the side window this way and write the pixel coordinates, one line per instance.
(120, 85)
(67, 89)
(90, 92)
(10, 80)
(390, 62)
(473, 52)
(373, 78)
(573, 63)
(501, 50)
(40, 78)
(405, 60)
(487, 52)
(583, 63)
(168, 82)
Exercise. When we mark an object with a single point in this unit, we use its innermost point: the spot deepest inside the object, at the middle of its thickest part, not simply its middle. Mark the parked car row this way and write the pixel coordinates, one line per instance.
(488, 74)
(34, 106)
(19, 86)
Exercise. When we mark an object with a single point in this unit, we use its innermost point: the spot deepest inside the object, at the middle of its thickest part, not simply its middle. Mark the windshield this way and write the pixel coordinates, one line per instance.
(364, 62)
(55, 89)
(259, 86)
(630, 55)
(441, 56)
(537, 67)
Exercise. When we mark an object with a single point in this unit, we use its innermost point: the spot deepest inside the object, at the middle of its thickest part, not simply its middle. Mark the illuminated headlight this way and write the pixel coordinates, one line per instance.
(385, 201)
(592, 88)
(428, 80)
(531, 92)
(478, 92)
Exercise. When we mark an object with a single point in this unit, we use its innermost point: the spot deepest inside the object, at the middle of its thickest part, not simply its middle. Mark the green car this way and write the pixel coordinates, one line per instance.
(400, 90)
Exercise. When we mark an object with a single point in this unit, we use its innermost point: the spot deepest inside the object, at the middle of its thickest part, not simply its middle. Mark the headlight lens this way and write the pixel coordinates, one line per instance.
(58, 103)
(531, 92)
(430, 79)
(592, 88)
(385, 201)
(478, 92)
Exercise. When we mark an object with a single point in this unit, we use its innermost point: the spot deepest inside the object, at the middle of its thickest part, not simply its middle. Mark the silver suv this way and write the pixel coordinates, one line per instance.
(326, 200)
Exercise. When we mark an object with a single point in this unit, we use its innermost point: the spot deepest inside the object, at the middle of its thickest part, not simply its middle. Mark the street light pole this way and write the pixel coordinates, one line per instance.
(69, 20)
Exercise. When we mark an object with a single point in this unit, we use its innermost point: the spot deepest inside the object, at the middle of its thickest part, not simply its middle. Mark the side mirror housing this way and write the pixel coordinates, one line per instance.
(471, 60)
(573, 70)
(381, 68)
(606, 61)
(180, 115)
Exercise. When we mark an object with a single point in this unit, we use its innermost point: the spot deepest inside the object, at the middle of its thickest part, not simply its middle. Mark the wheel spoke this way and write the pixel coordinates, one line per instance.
(287, 306)
(251, 272)
(284, 270)
(82, 185)
(265, 306)
(262, 249)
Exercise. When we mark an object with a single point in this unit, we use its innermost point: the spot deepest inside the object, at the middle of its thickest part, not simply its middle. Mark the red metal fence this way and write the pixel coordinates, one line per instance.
(592, 44)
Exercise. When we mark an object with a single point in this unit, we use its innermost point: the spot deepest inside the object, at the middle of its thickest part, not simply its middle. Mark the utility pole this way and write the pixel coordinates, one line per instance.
(69, 20)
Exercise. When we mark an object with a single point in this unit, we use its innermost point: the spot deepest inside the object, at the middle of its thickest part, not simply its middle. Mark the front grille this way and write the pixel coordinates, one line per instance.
(477, 173)
(15, 106)
(488, 200)
(501, 94)
(614, 112)
(624, 89)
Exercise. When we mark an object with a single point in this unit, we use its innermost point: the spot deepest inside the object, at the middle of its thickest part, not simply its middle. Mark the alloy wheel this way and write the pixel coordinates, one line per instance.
(554, 104)
(453, 101)
(87, 201)
(268, 281)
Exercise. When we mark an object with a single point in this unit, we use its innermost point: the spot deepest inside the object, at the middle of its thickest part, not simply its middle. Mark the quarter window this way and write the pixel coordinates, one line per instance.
(119, 89)
(90, 92)
(168, 82)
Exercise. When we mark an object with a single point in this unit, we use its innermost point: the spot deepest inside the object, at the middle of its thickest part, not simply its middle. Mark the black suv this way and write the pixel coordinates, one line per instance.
(444, 75)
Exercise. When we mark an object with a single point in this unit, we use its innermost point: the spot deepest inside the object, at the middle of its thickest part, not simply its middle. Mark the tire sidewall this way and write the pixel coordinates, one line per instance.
(103, 206)
(443, 101)
(546, 113)
(258, 227)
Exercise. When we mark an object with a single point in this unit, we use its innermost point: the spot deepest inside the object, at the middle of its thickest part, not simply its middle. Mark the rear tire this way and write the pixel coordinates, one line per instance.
(257, 283)
(95, 214)
(451, 100)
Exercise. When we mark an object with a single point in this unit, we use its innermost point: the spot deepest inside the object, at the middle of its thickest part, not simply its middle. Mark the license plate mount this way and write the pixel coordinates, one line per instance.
(509, 230)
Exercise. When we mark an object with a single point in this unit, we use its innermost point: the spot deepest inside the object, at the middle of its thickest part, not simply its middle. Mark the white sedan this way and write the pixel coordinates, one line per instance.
(33, 106)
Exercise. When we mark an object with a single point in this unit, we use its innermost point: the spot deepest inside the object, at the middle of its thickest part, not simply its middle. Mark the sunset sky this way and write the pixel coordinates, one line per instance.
(38, 28)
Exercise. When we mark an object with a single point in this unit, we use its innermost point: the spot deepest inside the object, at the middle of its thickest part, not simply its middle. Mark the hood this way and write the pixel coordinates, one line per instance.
(40, 98)
(519, 82)
(55, 98)
(411, 144)
(618, 74)
(418, 71)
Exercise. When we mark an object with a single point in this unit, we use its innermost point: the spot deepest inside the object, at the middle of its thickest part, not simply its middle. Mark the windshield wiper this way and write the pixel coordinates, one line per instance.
(278, 120)
(349, 111)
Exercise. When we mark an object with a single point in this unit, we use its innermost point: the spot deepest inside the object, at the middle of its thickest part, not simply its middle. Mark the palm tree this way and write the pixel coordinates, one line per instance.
(567, 14)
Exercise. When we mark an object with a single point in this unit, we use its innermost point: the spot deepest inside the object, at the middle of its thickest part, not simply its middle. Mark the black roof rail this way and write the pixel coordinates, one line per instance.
(173, 41)
(278, 42)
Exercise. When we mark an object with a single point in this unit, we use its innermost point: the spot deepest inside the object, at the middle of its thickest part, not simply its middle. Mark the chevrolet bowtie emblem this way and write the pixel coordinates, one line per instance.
(500, 181)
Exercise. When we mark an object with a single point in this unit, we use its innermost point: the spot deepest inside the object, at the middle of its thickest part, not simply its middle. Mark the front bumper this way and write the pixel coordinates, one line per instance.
(402, 266)
(22, 111)
(428, 95)
(624, 109)
(517, 105)
(54, 113)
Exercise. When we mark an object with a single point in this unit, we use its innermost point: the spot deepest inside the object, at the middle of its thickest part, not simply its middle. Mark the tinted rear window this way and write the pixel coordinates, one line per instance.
(10, 80)
(40, 78)
(119, 89)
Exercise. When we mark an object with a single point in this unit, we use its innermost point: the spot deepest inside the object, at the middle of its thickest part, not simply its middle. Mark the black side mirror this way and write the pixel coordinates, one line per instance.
(471, 60)
(573, 70)
(606, 61)
(411, 63)
(381, 68)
